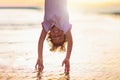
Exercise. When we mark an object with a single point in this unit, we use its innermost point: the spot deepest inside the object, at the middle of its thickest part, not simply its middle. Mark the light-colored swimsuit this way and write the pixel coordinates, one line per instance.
(56, 14)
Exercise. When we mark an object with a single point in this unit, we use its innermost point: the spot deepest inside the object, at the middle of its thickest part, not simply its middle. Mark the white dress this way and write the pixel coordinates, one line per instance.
(56, 14)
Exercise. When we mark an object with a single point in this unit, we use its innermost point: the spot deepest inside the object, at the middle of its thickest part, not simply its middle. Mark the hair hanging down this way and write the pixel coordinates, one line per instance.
(56, 47)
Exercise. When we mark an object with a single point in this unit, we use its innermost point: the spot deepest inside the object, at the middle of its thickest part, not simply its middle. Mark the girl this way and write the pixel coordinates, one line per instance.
(56, 25)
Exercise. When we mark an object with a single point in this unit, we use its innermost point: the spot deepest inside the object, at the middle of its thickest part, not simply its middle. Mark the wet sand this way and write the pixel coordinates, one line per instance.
(95, 55)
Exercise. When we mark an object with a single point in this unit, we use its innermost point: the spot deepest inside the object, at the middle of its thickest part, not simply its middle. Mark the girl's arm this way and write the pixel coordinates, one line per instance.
(68, 54)
(39, 63)
(70, 43)
(40, 43)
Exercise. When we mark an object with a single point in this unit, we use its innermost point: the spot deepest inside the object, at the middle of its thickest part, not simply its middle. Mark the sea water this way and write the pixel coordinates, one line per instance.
(96, 46)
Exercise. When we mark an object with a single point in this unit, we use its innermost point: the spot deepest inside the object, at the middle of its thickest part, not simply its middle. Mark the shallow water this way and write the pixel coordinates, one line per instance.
(95, 54)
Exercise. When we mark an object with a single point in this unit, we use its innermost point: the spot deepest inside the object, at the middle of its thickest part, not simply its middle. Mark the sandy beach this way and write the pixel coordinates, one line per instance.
(95, 54)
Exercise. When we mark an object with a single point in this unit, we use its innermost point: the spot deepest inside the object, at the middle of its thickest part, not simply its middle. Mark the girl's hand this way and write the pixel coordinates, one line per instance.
(39, 65)
(67, 66)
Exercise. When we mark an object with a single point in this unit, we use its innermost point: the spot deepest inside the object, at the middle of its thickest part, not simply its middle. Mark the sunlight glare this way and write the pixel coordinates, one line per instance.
(90, 1)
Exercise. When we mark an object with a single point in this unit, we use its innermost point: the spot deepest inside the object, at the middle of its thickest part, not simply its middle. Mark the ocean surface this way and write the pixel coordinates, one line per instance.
(95, 54)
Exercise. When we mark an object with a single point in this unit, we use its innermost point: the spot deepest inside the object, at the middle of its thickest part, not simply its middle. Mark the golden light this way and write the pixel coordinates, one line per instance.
(95, 2)
(92, 3)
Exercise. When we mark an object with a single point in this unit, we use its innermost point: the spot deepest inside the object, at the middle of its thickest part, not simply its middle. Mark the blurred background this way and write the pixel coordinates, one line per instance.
(103, 6)
(8, 8)
(85, 5)
(96, 37)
